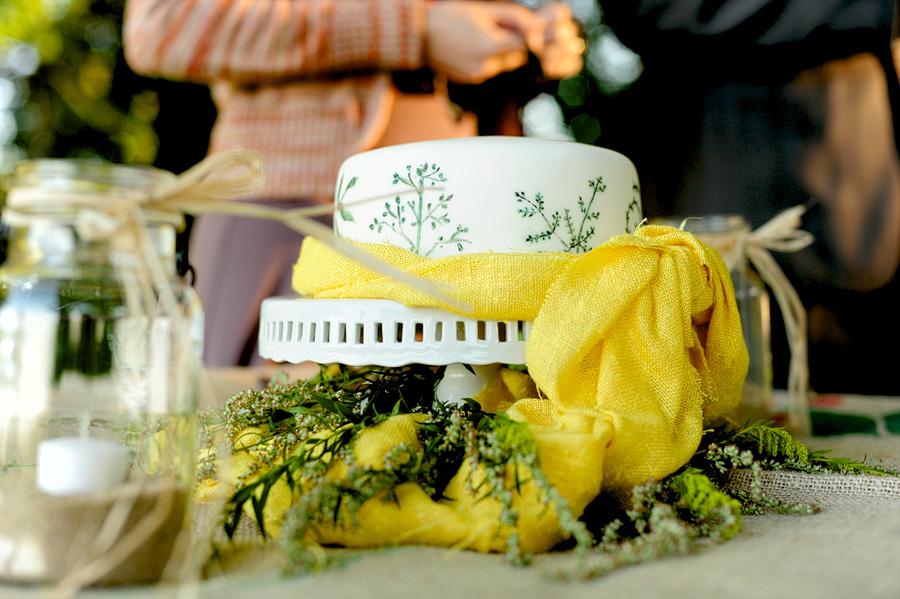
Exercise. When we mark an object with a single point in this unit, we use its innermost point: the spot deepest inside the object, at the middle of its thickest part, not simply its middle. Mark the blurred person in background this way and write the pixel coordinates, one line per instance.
(753, 106)
(309, 83)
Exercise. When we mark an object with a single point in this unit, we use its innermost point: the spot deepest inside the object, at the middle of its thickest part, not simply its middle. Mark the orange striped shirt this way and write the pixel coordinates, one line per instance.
(302, 81)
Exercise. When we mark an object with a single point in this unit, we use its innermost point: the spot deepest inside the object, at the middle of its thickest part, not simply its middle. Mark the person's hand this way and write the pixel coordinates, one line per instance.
(560, 48)
(471, 41)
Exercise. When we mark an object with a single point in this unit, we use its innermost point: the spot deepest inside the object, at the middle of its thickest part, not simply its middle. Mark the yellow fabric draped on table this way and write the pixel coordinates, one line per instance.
(634, 348)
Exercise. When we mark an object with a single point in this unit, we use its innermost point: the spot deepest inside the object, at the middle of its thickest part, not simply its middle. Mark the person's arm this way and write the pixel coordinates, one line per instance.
(264, 40)
(253, 40)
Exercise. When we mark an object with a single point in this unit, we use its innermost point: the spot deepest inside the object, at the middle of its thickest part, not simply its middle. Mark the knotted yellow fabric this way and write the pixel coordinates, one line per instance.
(635, 347)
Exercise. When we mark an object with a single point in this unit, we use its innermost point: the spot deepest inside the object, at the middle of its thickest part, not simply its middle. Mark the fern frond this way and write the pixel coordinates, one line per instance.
(770, 442)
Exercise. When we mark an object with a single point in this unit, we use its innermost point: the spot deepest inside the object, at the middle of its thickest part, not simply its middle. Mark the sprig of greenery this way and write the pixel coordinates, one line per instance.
(776, 449)
(337, 502)
(820, 461)
(669, 516)
(450, 439)
(297, 431)
(666, 517)
(309, 425)
(664, 535)
(502, 447)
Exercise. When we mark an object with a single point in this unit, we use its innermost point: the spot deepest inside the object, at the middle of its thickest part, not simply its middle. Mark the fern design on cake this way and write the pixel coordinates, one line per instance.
(634, 209)
(342, 211)
(413, 219)
(571, 229)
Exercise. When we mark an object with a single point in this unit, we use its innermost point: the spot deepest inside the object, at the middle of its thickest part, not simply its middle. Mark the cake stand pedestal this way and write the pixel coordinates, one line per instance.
(364, 332)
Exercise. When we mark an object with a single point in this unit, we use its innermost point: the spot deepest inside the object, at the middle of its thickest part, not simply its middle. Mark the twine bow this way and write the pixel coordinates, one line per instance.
(782, 234)
(208, 187)
(120, 218)
(204, 189)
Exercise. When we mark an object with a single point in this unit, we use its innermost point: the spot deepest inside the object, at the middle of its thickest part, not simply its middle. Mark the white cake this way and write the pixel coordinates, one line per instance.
(481, 194)
(442, 198)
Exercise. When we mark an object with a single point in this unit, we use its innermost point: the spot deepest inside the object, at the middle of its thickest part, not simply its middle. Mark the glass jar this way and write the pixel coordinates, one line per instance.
(727, 234)
(97, 398)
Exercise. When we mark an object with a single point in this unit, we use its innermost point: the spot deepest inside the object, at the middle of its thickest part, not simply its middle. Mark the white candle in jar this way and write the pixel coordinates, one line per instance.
(73, 465)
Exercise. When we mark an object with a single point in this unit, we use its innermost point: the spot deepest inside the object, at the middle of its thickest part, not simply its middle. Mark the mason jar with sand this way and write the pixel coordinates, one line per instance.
(99, 357)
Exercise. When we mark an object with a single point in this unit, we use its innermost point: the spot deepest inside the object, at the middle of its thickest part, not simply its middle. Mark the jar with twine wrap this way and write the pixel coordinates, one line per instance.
(100, 365)
(99, 353)
(747, 255)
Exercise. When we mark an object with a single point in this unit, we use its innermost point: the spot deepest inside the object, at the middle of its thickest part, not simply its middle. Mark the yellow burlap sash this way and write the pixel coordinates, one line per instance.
(635, 347)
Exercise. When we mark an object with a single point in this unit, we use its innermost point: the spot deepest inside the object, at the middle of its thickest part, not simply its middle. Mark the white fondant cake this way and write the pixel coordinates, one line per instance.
(482, 194)
(446, 197)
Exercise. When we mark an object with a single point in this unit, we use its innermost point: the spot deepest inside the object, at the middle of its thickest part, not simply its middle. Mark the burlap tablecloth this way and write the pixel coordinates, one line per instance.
(851, 549)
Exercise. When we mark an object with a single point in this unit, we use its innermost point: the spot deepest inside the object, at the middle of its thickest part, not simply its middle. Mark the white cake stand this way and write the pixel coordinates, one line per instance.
(440, 198)
(363, 332)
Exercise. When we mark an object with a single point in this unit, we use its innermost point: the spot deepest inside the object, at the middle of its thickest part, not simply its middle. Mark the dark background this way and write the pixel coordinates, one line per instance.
(82, 100)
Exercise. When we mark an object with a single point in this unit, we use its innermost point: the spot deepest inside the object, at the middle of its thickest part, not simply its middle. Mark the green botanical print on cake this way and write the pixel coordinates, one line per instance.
(570, 228)
(634, 209)
(341, 211)
(410, 219)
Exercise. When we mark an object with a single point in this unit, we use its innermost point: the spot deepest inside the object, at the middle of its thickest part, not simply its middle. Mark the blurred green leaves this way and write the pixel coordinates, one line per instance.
(575, 109)
(64, 88)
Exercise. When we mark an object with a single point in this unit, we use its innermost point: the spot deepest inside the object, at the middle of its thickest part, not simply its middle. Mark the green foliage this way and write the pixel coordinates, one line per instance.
(666, 517)
(307, 427)
(776, 449)
(337, 502)
(773, 443)
(293, 416)
(72, 95)
(664, 535)
(820, 461)
(717, 513)
(670, 516)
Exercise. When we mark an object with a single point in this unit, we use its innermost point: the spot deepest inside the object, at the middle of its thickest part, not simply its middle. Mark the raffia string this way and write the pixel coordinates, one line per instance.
(199, 191)
(783, 234)
(121, 219)
(208, 187)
